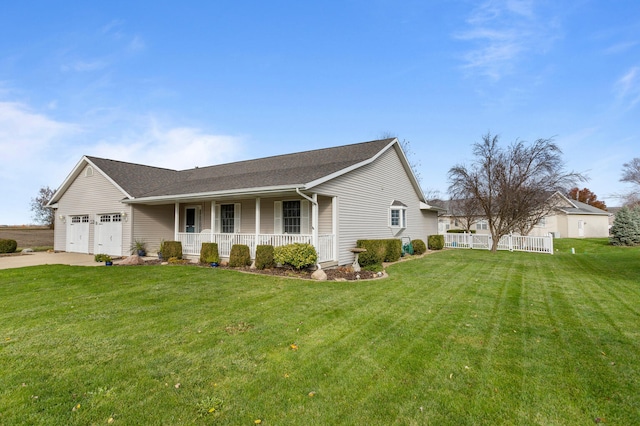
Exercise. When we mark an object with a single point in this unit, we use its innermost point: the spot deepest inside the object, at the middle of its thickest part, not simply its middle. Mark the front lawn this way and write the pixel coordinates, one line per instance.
(457, 337)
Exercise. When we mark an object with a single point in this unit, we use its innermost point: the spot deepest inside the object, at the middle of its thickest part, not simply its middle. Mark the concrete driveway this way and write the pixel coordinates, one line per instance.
(44, 258)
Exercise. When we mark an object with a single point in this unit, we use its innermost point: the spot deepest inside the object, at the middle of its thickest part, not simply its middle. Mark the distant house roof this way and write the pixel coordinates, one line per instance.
(579, 207)
(298, 170)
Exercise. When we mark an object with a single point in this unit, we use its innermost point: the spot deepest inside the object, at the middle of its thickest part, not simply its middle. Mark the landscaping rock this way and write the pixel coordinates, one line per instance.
(319, 275)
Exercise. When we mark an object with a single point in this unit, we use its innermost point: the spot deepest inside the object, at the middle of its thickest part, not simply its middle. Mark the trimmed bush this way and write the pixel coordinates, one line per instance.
(8, 246)
(209, 253)
(297, 255)
(240, 256)
(264, 257)
(393, 250)
(436, 242)
(375, 254)
(419, 246)
(172, 249)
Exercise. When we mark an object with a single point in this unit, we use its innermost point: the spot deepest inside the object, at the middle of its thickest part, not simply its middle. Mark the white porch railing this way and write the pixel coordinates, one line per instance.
(192, 243)
(507, 242)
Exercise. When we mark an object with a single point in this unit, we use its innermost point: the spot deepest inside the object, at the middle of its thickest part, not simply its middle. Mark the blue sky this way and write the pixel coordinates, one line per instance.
(184, 84)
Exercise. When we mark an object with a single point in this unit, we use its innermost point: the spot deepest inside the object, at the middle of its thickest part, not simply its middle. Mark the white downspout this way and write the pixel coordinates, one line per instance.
(314, 216)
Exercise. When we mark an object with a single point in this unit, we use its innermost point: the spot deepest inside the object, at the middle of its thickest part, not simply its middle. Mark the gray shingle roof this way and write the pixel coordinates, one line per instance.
(582, 208)
(281, 170)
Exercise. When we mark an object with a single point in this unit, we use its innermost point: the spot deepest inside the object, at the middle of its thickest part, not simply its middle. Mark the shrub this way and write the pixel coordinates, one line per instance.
(375, 254)
(419, 246)
(172, 249)
(460, 231)
(378, 251)
(102, 257)
(436, 242)
(8, 246)
(240, 256)
(626, 227)
(264, 257)
(209, 253)
(393, 250)
(297, 255)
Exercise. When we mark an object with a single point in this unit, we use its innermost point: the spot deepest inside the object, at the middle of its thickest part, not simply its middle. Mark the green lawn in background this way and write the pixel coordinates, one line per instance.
(456, 337)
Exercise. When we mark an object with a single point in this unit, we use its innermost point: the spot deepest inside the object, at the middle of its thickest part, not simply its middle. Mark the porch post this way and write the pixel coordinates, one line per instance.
(334, 226)
(314, 220)
(176, 221)
(257, 219)
(213, 220)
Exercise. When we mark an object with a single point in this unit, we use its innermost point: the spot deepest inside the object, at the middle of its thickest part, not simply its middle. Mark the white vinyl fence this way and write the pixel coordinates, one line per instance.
(508, 242)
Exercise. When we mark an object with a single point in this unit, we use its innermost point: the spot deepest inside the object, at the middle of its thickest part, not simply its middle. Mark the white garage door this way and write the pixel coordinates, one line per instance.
(108, 234)
(78, 234)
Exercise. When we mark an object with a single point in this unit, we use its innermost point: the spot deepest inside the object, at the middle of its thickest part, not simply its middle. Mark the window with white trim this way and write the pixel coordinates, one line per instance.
(542, 222)
(291, 217)
(398, 215)
(482, 225)
(227, 216)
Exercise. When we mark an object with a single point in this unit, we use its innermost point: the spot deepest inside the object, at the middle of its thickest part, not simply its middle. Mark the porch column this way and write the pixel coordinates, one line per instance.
(213, 220)
(176, 221)
(314, 220)
(257, 219)
(334, 226)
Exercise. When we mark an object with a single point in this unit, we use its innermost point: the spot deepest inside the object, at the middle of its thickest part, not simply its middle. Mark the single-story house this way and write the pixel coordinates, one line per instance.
(568, 219)
(328, 197)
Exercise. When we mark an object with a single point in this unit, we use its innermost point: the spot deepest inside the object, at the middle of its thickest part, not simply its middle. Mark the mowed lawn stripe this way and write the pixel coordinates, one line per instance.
(457, 337)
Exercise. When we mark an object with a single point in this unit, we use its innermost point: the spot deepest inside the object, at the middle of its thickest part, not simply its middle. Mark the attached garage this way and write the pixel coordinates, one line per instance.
(78, 234)
(108, 234)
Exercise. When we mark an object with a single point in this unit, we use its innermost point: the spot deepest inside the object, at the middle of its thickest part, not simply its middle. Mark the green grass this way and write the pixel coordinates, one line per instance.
(457, 337)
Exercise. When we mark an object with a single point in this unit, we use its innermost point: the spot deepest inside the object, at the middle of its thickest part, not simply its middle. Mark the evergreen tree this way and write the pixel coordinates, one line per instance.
(626, 227)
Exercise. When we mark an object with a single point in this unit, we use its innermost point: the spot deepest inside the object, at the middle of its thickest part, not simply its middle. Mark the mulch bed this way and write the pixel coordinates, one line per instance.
(333, 274)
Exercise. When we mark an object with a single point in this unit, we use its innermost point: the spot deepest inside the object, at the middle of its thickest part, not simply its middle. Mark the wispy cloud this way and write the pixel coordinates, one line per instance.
(171, 147)
(24, 133)
(502, 32)
(628, 87)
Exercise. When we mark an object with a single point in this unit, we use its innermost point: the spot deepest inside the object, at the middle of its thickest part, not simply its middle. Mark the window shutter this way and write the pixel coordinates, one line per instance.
(236, 217)
(304, 217)
(277, 217)
(216, 223)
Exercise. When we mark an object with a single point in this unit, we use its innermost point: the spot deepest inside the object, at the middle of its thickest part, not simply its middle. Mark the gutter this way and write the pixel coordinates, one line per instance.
(306, 197)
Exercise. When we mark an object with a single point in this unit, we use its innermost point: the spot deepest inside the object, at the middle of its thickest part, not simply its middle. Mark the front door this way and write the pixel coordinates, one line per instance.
(192, 220)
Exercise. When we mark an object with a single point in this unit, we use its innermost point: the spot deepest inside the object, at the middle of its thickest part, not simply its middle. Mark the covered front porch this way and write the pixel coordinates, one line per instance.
(274, 220)
(192, 243)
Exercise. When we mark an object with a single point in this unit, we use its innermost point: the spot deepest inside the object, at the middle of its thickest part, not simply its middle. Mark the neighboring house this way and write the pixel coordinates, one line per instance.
(569, 219)
(328, 197)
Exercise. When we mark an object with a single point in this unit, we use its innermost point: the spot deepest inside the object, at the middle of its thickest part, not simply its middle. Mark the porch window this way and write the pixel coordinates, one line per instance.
(291, 217)
(398, 215)
(227, 218)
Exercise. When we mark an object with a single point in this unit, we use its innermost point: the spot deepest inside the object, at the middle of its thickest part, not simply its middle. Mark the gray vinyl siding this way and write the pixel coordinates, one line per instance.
(152, 224)
(365, 196)
(90, 195)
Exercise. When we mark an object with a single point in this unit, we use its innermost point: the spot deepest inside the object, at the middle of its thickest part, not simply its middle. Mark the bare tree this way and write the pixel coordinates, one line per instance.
(512, 186)
(466, 211)
(41, 213)
(631, 174)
